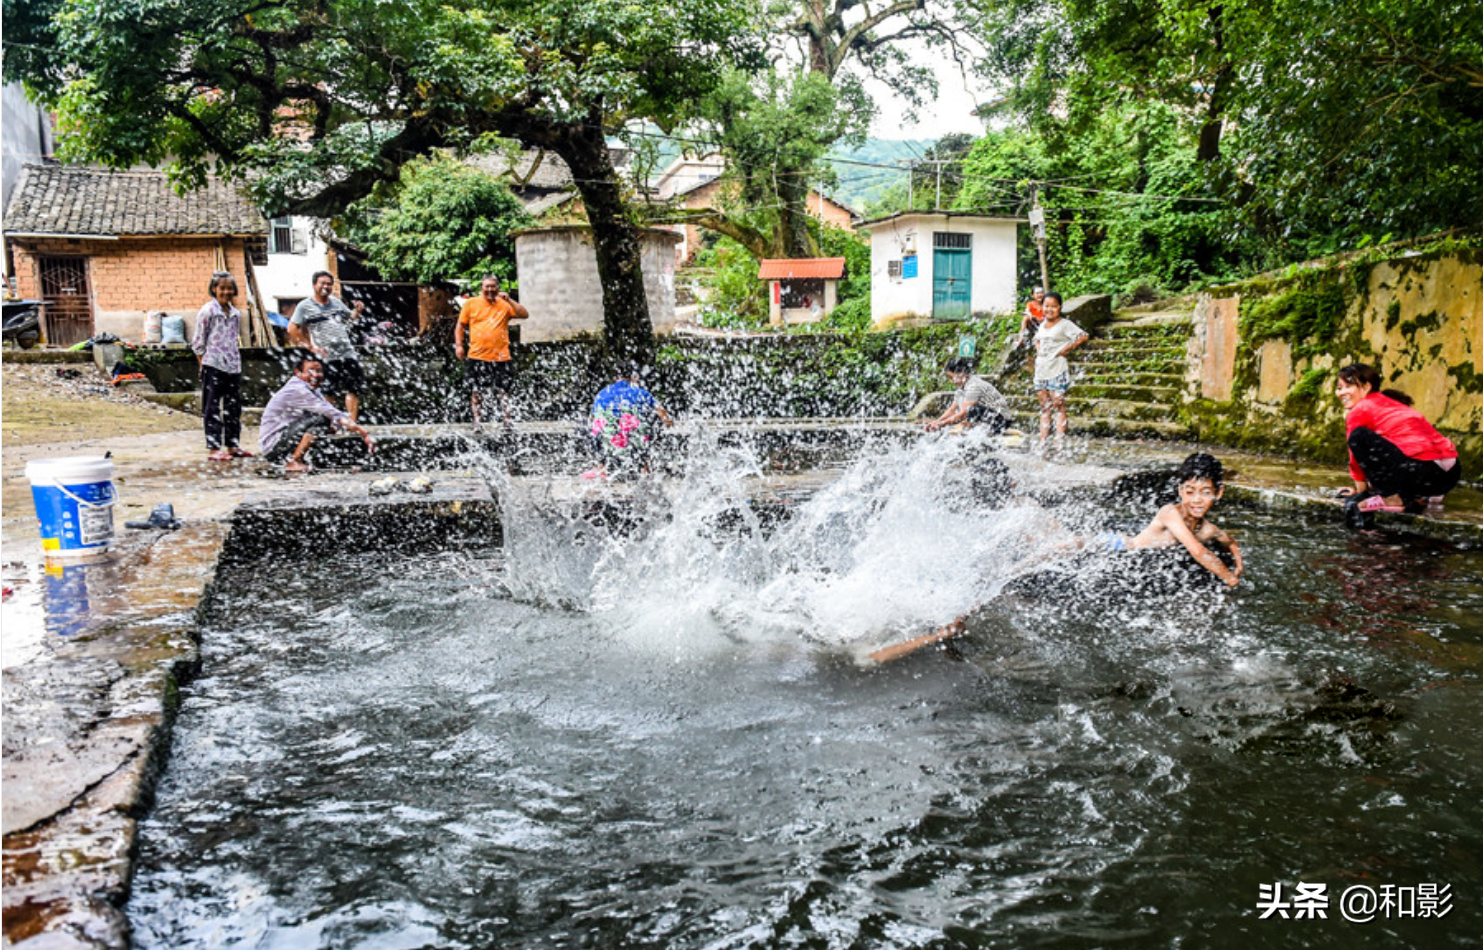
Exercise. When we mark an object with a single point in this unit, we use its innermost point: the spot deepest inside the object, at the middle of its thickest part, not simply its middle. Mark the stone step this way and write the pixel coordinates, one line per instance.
(1170, 318)
(1102, 426)
(1158, 365)
(1100, 389)
(1090, 389)
(1110, 374)
(39, 355)
(1129, 344)
(1171, 374)
(1103, 408)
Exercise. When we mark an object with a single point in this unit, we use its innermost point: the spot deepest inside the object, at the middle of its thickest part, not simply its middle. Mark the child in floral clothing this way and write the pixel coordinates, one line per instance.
(623, 424)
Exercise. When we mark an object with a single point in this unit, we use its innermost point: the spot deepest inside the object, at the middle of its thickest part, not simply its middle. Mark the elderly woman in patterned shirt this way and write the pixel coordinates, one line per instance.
(217, 328)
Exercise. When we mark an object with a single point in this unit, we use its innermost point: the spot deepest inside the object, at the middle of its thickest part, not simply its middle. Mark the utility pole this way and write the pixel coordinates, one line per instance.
(910, 180)
(1037, 226)
(938, 205)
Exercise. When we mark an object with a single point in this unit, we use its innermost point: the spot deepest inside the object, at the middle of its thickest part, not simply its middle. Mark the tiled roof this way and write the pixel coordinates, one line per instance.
(61, 199)
(801, 268)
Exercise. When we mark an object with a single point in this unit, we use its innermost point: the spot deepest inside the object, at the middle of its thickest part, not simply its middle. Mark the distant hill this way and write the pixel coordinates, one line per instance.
(864, 172)
(860, 182)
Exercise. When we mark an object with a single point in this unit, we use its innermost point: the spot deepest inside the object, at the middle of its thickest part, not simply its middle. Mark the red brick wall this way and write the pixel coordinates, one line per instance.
(132, 276)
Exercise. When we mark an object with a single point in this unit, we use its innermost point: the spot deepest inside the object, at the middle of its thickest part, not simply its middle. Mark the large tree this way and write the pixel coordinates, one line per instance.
(776, 129)
(315, 102)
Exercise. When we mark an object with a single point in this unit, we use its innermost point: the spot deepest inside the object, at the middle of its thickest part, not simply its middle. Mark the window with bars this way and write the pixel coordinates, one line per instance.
(893, 270)
(952, 241)
(284, 238)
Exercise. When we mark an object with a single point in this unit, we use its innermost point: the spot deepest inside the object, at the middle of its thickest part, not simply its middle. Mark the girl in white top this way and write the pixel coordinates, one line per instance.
(1056, 338)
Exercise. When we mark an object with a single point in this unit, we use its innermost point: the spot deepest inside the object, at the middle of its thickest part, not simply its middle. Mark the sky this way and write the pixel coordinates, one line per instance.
(952, 112)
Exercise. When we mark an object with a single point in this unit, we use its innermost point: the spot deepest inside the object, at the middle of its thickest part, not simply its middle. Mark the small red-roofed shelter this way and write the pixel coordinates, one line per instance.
(802, 289)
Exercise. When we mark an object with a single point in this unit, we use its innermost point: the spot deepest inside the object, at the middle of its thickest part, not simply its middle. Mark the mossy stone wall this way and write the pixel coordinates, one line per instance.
(1417, 318)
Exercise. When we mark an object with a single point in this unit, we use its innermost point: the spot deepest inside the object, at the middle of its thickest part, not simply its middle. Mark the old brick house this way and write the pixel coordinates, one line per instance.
(104, 248)
(694, 184)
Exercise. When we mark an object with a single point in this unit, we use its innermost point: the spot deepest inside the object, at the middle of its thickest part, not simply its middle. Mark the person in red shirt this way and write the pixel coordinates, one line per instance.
(1393, 450)
(484, 323)
(1034, 313)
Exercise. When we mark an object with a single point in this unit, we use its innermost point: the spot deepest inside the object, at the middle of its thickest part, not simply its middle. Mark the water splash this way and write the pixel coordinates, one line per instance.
(902, 541)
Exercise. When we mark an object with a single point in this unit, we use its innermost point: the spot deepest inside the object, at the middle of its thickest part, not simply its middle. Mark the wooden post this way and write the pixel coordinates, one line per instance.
(1037, 223)
(257, 311)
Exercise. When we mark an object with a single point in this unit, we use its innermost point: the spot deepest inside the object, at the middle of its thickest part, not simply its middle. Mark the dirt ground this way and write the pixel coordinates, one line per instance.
(77, 412)
(74, 402)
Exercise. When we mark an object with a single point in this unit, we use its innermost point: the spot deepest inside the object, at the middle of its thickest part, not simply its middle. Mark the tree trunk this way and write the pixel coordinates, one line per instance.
(628, 331)
(797, 239)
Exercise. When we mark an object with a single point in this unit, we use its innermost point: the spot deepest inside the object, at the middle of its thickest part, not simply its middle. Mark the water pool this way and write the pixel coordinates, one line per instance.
(463, 751)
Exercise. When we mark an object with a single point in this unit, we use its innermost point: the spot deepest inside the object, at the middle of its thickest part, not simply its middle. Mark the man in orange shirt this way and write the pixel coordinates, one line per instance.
(484, 322)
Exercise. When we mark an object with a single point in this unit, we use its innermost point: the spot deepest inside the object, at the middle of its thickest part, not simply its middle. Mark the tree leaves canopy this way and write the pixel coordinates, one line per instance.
(1321, 120)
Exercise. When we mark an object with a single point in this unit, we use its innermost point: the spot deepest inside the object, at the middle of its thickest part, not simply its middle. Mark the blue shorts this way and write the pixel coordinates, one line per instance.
(1056, 384)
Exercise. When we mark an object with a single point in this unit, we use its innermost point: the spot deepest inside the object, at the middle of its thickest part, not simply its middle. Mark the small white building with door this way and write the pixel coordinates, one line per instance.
(945, 265)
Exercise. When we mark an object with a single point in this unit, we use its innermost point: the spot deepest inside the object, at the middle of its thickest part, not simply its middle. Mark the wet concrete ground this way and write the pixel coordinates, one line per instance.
(94, 654)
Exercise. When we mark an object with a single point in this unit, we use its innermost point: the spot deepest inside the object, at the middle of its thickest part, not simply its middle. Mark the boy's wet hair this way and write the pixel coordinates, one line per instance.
(1201, 465)
(959, 364)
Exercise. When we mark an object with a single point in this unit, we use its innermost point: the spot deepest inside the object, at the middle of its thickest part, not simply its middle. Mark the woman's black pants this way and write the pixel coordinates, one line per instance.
(1391, 472)
(221, 407)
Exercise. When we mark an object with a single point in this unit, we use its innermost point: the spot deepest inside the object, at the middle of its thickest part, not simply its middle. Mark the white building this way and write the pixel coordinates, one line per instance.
(296, 249)
(941, 264)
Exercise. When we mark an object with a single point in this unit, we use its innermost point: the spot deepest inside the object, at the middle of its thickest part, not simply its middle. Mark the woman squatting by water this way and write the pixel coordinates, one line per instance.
(1397, 459)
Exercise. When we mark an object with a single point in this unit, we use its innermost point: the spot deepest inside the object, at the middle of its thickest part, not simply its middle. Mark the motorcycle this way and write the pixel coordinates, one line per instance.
(22, 322)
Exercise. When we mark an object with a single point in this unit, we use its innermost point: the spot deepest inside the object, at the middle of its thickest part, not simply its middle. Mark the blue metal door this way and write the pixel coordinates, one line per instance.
(952, 276)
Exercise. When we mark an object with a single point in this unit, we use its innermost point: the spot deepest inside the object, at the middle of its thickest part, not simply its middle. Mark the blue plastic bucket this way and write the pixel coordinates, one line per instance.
(74, 500)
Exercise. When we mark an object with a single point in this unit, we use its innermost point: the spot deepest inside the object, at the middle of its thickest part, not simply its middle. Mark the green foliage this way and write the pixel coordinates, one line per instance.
(837, 242)
(1126, 206)
(1322, 123)
(1306, 312)
(735, 298)
(448, 221)
(774, 129)
(1307, 390)
(851, 316)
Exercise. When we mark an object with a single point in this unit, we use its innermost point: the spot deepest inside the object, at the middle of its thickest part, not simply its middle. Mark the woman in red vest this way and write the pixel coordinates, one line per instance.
(1393, 450)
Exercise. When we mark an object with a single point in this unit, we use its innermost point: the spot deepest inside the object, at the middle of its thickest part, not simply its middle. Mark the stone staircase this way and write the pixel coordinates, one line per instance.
(1127, 380)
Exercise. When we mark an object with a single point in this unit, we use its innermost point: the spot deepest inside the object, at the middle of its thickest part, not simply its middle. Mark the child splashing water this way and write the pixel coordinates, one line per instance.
(1200, 486)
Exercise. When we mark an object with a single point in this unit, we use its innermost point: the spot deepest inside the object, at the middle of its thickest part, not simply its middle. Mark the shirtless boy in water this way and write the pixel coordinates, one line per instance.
(1200, 487)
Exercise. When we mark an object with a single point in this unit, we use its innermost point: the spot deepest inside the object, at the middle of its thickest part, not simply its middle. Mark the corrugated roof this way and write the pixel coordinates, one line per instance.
(801, 268)
(71, 200)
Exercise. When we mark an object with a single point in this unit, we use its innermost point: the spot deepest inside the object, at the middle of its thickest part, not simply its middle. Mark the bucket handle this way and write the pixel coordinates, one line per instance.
(112, 499)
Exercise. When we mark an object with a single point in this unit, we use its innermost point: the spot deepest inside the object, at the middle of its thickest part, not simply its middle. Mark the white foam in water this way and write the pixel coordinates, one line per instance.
(897, 546)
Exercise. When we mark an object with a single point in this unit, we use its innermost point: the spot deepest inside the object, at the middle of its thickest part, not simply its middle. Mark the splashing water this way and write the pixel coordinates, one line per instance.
(896, 545)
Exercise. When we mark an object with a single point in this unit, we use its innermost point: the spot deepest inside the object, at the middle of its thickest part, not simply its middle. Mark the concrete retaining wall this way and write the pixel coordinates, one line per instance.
(1264, 354)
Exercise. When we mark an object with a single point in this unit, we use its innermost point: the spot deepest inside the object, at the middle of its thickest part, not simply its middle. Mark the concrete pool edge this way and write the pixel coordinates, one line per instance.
(69, 854)
(89, 724)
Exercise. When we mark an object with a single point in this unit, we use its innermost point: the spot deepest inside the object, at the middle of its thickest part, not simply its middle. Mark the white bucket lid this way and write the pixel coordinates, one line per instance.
(73, 470)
